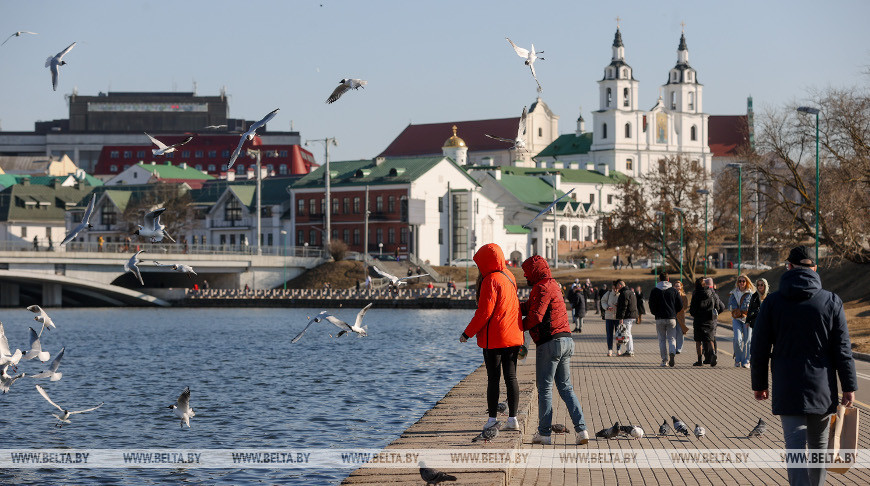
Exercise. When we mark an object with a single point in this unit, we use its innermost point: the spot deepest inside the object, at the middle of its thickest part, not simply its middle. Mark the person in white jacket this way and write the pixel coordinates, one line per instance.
(608, 303)
(738, 304)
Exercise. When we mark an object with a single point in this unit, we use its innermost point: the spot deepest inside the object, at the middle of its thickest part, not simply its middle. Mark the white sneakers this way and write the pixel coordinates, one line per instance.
(541, 439)
(511, 424)
(582, 437)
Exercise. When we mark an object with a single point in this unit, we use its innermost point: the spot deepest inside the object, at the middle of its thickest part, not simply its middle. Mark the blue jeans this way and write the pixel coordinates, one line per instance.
(610, 326)
(802, 432)
(553, 364)
(742, 336)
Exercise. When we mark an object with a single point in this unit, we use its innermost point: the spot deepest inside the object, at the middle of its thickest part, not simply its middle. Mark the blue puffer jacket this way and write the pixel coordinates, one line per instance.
(806, 328)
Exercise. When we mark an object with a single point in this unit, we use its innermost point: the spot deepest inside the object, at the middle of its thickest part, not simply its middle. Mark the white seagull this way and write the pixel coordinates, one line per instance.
(85, 224)
(530, 57)
(519, 142)
(394, 280)
(132, 266)
(547, 209)
(6, 380)
(18, 34)
(64, 417)
(343, 86)
(178, 267)
(52, 372)
(250, 136)
(182, 408)
(345, 327)
(6, 356)
(36, 349)
(53, 62)
(162, 148)
(42, 317)
(153, 228)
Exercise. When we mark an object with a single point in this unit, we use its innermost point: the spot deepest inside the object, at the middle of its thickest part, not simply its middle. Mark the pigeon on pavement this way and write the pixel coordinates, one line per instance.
(610, 433)
(559, 429)
(488, 433)
(665, 429)
(700, 431)
(434, 476)
(759, 429)
(679, 426)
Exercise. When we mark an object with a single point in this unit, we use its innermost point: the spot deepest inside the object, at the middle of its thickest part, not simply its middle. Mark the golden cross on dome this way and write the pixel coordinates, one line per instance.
(683, 25)
(617, 21)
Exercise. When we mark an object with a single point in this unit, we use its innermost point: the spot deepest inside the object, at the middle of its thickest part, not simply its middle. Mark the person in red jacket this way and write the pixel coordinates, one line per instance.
(496, 323)
(546, 319)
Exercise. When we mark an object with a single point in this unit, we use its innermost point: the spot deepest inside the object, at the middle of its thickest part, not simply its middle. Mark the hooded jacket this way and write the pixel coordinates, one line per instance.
(806, 328)
(497, 321)
(626, 304)
(546, 316)
(704, 302)
(664, 301)
(755, 303)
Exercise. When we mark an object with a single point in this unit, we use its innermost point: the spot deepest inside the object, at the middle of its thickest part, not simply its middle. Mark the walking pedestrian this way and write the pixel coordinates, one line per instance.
(35, 243)
(50, 243)
(100, 243)
(497, 323)
(807, 326)
(578, 306)
(599, 293)
(608, 310)
(641, 308)
(626, 313)
(631, 260)
(664, 304)
(762, 289)
(704, 309)
(546, 319)
(682, 329)
(738, 304)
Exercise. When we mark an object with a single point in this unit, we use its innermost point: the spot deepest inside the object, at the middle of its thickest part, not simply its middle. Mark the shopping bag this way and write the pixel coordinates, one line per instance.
(843, 439)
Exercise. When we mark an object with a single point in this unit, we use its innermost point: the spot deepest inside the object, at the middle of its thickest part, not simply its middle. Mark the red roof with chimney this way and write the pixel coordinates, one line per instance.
(726, 134)
(427, 139)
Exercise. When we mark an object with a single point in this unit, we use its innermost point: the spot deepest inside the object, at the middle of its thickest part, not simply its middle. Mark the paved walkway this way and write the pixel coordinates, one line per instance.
(629, 390)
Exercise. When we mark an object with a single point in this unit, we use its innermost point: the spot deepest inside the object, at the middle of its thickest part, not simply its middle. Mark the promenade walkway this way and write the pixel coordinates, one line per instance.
(629, 390)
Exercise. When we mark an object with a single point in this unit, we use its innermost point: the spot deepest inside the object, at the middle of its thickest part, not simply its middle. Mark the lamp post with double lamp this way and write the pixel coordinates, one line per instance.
(328, 195)
(256, 154)
(739, 167)
(682, 213)
(284, 234)
(815, 111)
(706, 194)
(662, 214)
(599, 187)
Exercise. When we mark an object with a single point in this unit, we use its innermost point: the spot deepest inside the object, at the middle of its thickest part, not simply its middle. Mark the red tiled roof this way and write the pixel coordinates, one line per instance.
(427, 139)
(726, 134)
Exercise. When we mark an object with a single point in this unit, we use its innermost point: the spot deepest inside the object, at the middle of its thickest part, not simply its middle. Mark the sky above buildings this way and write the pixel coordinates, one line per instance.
(425, 62)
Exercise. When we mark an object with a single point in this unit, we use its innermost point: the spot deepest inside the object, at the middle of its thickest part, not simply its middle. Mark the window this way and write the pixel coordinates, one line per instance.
(114, 154)
(282, 169)
(644, 124)
(323, 206)
(270, 168)
(233, 210)
(591, 198)
(440, 205)
(346, 235)
(440, 236)
(335, 205)
(269, 240)
(198, 166)
(604, 131)
(312, 206)
(170, 155)
(128, 154)
(135, 175)
(334, 234)
(345, 207)
(300, 207)
(628, 130)
(379, 204)
(108, 216)
(694, 133)
(212, 154)
(223, 239)
(356, 208)
(356, 236)
(391, 235)
(403, 236)
(391, 204)
(380, 235)
(113, 168)
(312, 238)
(673, 100)
(283, 153)
(609, 98)
(691, 100)
(300, 237)
(24, 231)
(628, 164)
(626, 99)
(240, 169)
(610, 199)
(540, 132)
(140, 154)
(199, 154)
(185, 154)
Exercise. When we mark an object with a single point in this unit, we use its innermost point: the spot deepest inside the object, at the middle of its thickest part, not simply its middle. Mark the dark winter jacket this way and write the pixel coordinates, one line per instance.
(626, 306)
(664, 301)
(577, 298)
(754, 306)
(806, 328)
(545, 315)
(641, 309)
(704, 302)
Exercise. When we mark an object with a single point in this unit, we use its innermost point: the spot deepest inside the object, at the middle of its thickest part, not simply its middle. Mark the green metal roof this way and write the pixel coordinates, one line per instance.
(125, 194)
(274, 191)
(576, 176)
(27, 202)
(569, 144)
(169, 171)
(529, 190)
(516, 229)
(399, 170)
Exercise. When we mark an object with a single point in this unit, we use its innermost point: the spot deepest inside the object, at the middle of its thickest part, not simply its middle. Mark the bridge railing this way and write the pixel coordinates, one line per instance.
(157, 248)
(339, 294)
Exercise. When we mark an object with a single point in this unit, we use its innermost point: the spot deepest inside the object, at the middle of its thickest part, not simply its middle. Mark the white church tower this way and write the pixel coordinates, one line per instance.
(455, 148)
(683, 98)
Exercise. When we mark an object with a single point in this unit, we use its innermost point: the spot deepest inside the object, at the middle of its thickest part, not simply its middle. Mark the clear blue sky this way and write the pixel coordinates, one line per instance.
(426, 62)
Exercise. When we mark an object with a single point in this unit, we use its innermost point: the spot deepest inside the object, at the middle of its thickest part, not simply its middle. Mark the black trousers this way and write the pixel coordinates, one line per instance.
(498, 360)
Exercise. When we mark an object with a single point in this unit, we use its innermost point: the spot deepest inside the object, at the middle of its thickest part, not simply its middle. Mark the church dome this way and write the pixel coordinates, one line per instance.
(454, 141)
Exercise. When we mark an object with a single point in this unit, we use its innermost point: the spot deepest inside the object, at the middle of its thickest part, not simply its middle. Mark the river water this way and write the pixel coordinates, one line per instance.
(249, 386)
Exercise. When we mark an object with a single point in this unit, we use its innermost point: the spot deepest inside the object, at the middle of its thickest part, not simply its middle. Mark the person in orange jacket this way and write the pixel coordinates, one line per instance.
(497, 323)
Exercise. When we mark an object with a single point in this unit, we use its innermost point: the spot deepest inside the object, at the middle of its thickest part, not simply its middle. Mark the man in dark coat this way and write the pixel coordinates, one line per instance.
(626, 313)
(577, 298)
(705, 308)
(806, 325)
(641, 309)
(664, 304)
(598, 296)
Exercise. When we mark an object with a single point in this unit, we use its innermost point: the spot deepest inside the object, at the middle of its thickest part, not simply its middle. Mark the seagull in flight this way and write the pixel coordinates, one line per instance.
(343, 86)
(85, 224)
(52, 372)
(63, 418)
(178, 267)
(394, 280)
(162, 148)
(6, 380)
(153, 228)
(345, 327)
(250, 135)
(36, 349)
(6, 356)
(519, 142)
(42, 317)
(132, 266)
(530, 58)
(18, 34)
(53, 62)
(182, 408)
(547, 209)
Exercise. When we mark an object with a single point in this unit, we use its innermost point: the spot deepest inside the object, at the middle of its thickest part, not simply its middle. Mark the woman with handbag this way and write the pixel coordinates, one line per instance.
(738, 304)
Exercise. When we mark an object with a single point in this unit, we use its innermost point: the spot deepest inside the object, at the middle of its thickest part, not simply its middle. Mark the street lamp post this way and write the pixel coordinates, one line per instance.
(256, 154)
(739, 167)
(328, 195)
(380, 249)
(305, 249)
(662, 214)
(284, 233)
(682, 213)
(598, 188)
(815, 111)
(706, 195)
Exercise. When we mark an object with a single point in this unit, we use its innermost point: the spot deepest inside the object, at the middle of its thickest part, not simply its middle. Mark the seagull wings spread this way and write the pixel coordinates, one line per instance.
(45, 396)
(524, 53)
